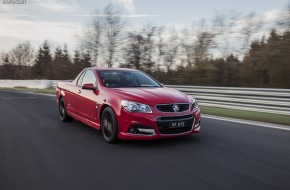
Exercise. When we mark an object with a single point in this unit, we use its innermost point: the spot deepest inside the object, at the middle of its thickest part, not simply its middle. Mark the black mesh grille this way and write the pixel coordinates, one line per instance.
(169, 107)
(164, 124)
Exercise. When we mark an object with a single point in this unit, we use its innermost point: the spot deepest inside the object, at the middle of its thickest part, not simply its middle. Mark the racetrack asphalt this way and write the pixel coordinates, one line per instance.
(39, 152)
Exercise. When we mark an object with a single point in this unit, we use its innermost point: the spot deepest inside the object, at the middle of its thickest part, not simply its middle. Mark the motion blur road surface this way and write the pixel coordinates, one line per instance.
(37, 151)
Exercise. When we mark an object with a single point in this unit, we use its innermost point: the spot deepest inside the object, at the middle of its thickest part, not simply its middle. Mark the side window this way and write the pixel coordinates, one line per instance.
(90, 78)
(79, 83)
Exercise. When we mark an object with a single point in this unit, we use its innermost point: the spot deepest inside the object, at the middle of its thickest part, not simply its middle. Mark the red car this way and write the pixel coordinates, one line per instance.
(127, 104)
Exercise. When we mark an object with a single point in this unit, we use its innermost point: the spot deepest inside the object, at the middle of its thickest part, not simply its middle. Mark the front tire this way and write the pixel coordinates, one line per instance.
(109, 126)
(62, 112)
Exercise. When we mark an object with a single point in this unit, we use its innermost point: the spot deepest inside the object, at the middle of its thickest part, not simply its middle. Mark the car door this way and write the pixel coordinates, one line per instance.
(86, 99)
(73, 103)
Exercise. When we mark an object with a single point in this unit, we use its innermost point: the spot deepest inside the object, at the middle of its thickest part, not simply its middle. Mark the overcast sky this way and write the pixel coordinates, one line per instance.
(62, 21)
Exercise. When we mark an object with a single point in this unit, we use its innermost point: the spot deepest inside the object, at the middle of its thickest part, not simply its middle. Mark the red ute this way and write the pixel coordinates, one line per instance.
(127, 104)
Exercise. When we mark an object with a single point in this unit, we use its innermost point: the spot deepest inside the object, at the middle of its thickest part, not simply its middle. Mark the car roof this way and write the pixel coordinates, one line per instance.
(111, 69)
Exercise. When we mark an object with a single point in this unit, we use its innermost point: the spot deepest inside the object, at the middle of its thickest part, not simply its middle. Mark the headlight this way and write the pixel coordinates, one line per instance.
(135, 107)
(193, 103)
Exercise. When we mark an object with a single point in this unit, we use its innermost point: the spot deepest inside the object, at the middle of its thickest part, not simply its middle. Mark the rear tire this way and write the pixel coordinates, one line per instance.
(109, 126)
(62, 112)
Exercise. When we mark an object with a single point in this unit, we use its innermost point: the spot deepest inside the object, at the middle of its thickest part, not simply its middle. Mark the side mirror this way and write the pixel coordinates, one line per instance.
(162, 84)
(89, 86)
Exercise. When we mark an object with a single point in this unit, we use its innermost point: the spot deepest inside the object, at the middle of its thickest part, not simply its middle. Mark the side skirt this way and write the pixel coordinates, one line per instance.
(83, 120)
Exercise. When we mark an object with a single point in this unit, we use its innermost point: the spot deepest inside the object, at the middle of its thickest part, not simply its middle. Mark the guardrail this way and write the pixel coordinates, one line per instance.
(265, 100)
(40, 84)
(54, 82)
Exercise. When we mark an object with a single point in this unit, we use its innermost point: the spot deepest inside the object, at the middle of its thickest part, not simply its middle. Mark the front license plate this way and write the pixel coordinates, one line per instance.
(178, 124)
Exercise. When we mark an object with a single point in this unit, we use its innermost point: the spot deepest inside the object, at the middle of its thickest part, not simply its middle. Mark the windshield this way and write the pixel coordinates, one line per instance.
(126, 79)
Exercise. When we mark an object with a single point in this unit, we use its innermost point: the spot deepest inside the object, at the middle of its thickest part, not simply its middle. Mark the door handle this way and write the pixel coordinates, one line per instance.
(79, 91)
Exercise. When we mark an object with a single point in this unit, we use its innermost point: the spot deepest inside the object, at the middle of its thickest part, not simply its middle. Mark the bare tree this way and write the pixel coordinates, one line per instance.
(22, 54)
(149, 34)
(196, 43)
(160, 46)
(204, 41)
(91, 42)
(133, 50)
(188, 50)
(284, 21)
(224, 29)
(103, 36)
(139, 49)
(250, 27)
(113, 27)
(171, 50)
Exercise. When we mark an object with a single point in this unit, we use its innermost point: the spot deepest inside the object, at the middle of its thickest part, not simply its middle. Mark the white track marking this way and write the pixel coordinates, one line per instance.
(261, 124)
(43, 94)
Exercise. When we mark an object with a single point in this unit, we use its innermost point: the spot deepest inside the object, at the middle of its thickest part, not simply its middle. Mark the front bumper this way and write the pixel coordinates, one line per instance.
(149, 121)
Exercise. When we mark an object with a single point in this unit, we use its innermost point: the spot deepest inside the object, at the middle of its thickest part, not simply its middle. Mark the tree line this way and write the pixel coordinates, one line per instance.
(225, 51)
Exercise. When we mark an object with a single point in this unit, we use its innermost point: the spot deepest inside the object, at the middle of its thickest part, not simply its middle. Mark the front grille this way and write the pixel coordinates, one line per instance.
(165, 128)
(169, 107)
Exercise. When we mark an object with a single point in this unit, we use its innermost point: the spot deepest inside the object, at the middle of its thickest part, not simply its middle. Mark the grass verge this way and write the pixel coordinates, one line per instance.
(248, 115)
(45, 91)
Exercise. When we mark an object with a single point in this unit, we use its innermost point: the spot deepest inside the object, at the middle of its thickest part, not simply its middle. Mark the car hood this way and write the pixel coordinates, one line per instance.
(152, 96)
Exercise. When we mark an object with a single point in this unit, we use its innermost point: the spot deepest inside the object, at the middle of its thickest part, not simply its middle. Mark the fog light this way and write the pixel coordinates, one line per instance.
(141, 130)
(132, 130)
(146, 131)
(197, 124)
